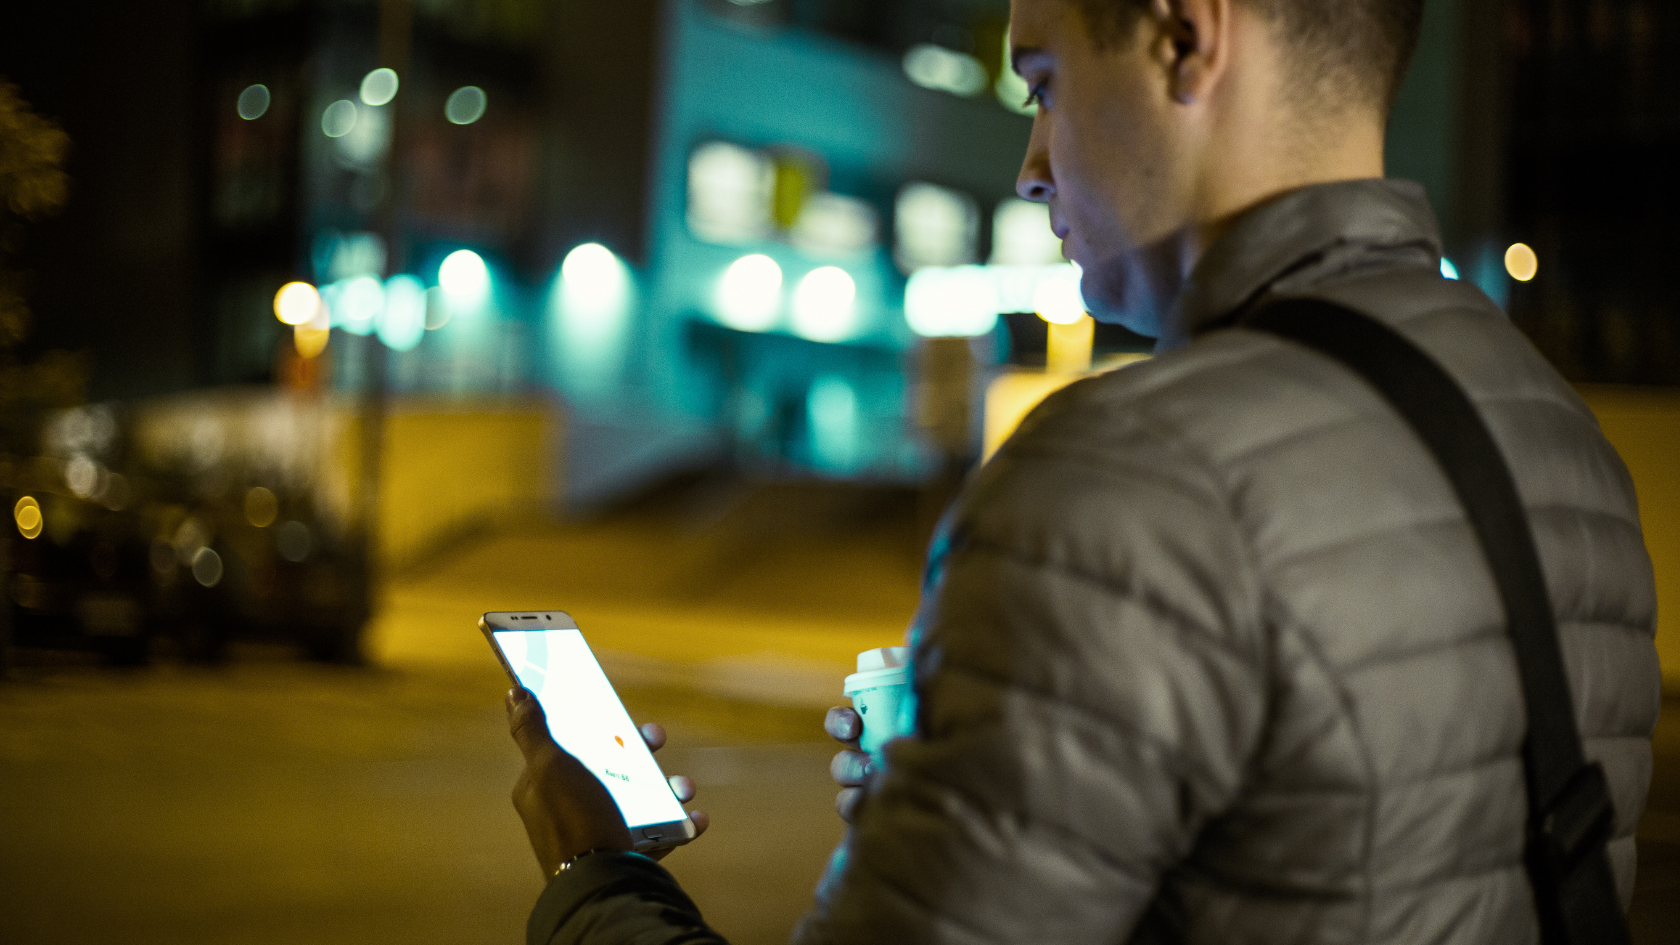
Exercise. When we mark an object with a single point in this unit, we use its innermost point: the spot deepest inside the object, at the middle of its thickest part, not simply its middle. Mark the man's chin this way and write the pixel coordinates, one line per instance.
(1119, 291)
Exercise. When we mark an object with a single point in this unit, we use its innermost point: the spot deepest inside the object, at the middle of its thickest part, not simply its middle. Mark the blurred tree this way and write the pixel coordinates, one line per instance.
(33, 186)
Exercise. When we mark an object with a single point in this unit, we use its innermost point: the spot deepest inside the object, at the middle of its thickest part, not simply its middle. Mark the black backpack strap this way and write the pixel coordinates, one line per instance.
(1570, 815)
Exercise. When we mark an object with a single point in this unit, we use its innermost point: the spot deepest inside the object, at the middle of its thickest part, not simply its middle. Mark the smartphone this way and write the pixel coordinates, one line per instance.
(544, 651)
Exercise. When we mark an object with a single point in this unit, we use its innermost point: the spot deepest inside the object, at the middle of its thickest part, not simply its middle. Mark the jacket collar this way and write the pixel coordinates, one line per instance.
(1315, 231)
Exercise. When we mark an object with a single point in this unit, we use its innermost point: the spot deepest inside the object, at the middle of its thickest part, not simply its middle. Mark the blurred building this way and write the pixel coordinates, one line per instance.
(720, 230)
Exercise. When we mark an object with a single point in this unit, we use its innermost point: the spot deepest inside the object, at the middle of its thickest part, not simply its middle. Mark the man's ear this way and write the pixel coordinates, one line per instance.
(1194, 44)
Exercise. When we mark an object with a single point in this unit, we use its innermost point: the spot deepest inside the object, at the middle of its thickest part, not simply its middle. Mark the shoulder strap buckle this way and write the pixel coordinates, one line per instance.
(1578, 820)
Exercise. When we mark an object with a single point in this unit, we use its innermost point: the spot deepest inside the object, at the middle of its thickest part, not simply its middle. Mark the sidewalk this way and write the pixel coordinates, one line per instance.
(763, 595)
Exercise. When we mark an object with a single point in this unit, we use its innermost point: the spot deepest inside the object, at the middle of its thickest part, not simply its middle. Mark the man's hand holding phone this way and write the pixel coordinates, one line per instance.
(566, 810)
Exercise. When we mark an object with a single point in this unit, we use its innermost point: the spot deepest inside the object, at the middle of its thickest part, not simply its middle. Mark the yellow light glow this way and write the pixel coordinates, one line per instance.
(296, 303)
(1521, 262)
(27, 514)
(1013, 394)
(1010, 397)
(261, 507)
(1068, 348)
(310, 341)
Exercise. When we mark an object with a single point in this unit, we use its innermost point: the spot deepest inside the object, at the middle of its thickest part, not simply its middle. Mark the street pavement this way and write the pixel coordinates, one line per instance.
(273, 801)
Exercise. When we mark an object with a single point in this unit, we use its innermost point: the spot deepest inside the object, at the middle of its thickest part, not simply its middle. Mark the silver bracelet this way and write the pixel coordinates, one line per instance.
(573, 861)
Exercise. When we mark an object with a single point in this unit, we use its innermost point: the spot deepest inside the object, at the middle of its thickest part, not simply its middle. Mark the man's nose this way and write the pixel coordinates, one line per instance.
(1031, 188)
(1035, 182)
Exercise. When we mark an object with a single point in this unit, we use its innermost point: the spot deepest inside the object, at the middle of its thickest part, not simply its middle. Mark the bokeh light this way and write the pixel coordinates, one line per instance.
(945, 70)
(465, 105)
(207, 567)
(832, 412)
(1521, 262)
(1021, 235)
(191, 536)
(310, 340)
(1448, 270)
(934, 226)
(296, 303)
(594, 276)
(293, 541)
(825, 305)
(261, 506)
(749, 295)
(367, 140)
(27, 514)
(254, 102)
(379, 86)
(1057, 300)
(955, 302)
(360, 304)
(464, 275)
(81, 474)
(404, 321)
(438, 310)
(339, 118)
(590, 309)
(730, 190)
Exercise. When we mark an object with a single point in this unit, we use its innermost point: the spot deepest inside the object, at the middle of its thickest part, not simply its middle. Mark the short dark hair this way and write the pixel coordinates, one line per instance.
(1368, 43)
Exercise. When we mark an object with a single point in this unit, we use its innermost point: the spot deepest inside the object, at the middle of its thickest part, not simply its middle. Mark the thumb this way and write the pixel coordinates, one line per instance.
(528, 725)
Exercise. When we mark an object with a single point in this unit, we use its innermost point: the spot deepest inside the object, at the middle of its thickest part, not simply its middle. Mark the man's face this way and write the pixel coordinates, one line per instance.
(1105, 152)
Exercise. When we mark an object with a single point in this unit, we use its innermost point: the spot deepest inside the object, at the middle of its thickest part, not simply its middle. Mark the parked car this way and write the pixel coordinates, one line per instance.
(112, 555)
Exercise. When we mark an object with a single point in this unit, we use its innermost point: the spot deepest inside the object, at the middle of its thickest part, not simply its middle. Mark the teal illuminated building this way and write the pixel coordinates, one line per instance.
(697, 224)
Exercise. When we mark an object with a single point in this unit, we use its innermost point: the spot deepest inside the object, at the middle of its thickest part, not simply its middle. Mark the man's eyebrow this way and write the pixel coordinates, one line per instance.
(1022, 52)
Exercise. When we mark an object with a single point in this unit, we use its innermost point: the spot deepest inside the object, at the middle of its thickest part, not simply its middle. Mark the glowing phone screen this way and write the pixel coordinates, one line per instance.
(587, 720)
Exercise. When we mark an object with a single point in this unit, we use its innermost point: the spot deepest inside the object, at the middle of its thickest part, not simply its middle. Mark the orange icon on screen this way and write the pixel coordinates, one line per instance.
(619, 740)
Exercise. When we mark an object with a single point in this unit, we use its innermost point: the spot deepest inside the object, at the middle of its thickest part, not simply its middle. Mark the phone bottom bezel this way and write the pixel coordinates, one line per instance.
(676, 833)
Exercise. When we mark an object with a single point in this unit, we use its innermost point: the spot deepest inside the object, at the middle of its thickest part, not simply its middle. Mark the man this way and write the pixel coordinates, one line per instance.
(1209, 651)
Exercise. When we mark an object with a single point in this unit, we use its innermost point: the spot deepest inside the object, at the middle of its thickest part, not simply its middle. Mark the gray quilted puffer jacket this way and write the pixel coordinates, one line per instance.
(1212, 655)
(1209, 653)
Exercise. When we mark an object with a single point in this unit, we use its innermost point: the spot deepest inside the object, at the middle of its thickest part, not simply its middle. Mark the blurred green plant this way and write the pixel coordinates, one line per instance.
(33, 186)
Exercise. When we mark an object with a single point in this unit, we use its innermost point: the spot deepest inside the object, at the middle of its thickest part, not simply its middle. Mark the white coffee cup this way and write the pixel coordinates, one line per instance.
(885, 700)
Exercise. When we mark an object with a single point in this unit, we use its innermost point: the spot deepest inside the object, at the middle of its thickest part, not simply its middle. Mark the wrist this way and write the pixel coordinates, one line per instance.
(568, 863)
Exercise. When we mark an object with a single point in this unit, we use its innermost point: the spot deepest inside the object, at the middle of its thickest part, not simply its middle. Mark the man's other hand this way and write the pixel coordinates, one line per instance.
(850, 767)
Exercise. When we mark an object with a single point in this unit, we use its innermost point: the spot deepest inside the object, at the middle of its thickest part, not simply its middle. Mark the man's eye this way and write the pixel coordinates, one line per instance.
(1035, 97)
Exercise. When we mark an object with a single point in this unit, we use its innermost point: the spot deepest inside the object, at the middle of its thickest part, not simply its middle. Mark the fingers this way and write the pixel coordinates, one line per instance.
(654, 734)
(846, 802)
(682, 786)
(844, 725)
(528, 725)
(849, 768)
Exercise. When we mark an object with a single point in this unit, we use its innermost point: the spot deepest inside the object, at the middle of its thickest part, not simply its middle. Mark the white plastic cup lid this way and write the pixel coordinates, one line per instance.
(886, 657)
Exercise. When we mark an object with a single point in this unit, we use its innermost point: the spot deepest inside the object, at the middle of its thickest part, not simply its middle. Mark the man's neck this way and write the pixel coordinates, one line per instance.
(1239, 179)
(1243, 172)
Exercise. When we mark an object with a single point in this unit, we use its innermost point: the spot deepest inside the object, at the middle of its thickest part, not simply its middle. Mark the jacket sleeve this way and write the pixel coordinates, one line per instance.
(1090, 669)
(623, 898)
